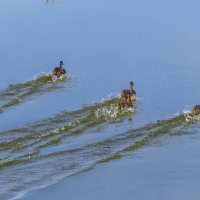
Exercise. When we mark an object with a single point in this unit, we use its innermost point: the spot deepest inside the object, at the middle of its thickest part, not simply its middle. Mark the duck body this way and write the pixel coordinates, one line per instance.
(126, 98)
(59, 71)
(124, 105)
(127, 94)
(196, 110)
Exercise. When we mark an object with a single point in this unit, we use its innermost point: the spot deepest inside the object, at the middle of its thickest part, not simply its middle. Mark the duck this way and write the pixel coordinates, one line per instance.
(125, 97)
(58, 71)
(196, 110)
(127, 94)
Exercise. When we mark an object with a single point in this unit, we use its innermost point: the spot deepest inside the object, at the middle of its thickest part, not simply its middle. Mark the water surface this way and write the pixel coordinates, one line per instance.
(60, 129)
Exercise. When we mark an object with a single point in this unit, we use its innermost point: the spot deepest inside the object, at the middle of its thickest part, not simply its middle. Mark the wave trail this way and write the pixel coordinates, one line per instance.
(15, 94)
(54, 148)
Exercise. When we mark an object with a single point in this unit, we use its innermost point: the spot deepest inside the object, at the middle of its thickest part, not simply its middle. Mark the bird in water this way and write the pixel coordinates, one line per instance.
(196, 110)
(58, 71)
(126, 98)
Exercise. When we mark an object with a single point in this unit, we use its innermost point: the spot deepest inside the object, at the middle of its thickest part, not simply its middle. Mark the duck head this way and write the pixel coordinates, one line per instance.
(61, 63)
(131, 86)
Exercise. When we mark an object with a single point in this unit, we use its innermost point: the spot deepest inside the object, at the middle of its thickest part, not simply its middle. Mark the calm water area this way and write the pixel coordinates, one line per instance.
(51, 130)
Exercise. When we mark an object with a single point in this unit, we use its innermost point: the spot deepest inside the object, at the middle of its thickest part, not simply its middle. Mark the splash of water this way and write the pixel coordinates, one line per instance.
(109, 108)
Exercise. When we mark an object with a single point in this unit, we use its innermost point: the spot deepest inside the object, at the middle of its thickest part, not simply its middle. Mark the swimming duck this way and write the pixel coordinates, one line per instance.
(127, 94)
(125, 97)
(196, 110)
(58, 71)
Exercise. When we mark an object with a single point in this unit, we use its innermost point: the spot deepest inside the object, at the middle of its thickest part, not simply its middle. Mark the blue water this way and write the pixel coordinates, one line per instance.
(104, 45)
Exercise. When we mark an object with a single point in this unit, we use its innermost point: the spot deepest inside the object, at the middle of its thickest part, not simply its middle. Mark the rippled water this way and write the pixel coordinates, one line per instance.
(72, 142)
(68, 143)
(51, 129)
(18, 93)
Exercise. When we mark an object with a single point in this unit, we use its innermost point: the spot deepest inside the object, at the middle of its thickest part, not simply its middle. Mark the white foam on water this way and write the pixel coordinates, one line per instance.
(61, 78)
(111, 112)
(107, 112)
(189, 117)
(54, 78)
(42, 74)
(111, 96)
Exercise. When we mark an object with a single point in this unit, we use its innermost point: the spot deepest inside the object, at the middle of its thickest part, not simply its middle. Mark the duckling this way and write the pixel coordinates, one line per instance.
(127, 94)
(196, 110)
(58, 71)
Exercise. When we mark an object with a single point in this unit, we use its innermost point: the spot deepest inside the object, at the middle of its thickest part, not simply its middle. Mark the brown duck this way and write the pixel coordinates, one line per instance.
(196, 110)
(58, 71)
(125, 97)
